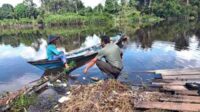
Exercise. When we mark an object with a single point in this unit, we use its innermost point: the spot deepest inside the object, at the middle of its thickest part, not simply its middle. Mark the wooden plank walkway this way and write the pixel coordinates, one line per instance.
(169, 106)
(182, 77)
(181, 98)
(177, 71)
(175, 96)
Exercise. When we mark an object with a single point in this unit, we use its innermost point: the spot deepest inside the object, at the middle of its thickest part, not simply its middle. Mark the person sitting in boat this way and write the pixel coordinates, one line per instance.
(53, 53)
(113, 61)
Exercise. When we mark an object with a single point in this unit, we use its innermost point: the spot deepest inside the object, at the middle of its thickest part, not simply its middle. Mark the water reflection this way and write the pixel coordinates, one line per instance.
(15, 72)
(181, 41)
(27, 52)
(198, 36)
(143, 38)
(161, 46)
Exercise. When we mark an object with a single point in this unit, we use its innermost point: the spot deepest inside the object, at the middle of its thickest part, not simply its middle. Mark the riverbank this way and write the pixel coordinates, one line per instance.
(73, 20)
(114, 95)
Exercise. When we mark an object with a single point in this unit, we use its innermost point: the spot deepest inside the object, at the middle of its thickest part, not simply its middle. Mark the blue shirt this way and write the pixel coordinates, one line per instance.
(52, 51)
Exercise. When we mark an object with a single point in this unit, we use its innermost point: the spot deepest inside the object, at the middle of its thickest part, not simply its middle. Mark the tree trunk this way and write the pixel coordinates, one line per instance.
(150, 2)
(188, 2)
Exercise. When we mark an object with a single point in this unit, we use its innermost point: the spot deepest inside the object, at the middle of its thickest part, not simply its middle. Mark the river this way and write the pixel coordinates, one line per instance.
(165, 45)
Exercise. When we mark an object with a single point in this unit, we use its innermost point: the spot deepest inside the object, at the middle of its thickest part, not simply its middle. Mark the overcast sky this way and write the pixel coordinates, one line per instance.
(91, 3)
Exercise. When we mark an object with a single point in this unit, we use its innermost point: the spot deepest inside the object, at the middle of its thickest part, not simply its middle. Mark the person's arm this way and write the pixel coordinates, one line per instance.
(89, 65)
(94, 60)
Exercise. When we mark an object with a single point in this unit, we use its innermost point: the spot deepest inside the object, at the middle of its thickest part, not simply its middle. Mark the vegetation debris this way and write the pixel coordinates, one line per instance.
(103, 96)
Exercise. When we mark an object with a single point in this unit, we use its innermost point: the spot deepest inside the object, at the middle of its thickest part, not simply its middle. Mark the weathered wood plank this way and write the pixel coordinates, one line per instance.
(173, 83)
(175, 88)
(184, 77)
(177, 80)
(190, 93)
(181, 98)
(177, 71)
(180, 92)
(168, 106)
(180, 73)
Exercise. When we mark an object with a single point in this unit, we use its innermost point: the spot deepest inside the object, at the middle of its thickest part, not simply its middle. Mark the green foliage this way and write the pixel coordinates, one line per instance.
(167, 8)
(6, 11)
(71, 19)
(62, 6)
(10, 22)
(86, 11)
(23, 102)
(26, 10)
(99, 9)
(112, 6)
(21, 11)
(73, 12)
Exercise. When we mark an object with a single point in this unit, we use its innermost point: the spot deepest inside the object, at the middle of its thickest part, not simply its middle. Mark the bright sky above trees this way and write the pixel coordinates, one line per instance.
(91, 3)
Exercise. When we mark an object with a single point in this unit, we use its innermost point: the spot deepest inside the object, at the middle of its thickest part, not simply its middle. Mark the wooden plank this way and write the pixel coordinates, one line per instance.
(184, 77)
(177, 71)
(187, 92)
(180, 73)
(176, 80)
(168, 106)
(181, 98)
(173, 83)
(175, 88)
(180, 92)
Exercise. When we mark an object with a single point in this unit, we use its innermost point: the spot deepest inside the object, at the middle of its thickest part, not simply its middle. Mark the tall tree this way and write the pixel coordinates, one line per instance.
(32, 11)
(167, 8)
(98, 8)
(21, 11)
(112, 6)
(6, 11)
(196, 6)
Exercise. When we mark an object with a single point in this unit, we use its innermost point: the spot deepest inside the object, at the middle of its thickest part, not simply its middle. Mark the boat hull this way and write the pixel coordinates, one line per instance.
(46, 64)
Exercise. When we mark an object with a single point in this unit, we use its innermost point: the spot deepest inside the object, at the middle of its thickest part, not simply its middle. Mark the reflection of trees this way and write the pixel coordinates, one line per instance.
(72, 38)
(197, 33)
(167, 31)
(36, 44)
(143, 38)
(181, 41)
(11, 40)
(26, 37)
(178, 32)
(1, 40)
(72, 42)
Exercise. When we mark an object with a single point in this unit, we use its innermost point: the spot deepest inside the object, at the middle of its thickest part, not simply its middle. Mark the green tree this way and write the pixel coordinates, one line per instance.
(32, 11)
(21, 11)
(132, 3)
(98, 9)
(27, 9)
(62, 6)
(6, 11)
(196, 7)
(112, 6)
(166, 8)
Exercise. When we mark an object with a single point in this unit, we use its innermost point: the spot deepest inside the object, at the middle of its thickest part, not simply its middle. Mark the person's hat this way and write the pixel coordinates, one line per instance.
(52, 38)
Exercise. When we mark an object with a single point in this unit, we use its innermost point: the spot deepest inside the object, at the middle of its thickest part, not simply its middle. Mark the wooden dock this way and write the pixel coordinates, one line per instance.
(175, 95)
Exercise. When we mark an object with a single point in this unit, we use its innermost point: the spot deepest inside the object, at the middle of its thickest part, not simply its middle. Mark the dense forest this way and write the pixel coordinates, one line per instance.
(56, 12)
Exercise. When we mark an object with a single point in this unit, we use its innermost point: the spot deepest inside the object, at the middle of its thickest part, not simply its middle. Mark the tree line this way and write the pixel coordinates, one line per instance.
(159, 8)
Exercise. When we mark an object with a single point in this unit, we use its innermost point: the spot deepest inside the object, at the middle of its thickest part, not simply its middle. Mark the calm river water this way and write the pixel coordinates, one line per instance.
(165, 45)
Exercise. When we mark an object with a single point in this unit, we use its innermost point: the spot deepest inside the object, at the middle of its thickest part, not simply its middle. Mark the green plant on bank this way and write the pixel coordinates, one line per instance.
(73, 12)
(12, 22)
(72, 64)
(23, 102)
(72, 19)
